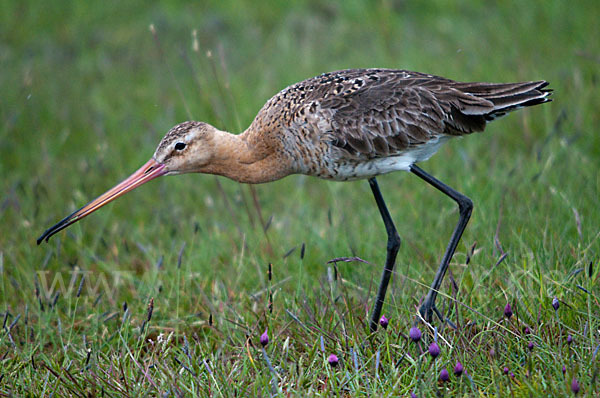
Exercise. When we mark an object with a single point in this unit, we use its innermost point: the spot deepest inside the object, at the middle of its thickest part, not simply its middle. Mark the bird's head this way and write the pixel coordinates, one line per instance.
(188, 147)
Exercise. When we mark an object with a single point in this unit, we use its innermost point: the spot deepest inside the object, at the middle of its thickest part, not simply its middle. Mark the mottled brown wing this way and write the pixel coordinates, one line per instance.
(377, 112)
(393, 111)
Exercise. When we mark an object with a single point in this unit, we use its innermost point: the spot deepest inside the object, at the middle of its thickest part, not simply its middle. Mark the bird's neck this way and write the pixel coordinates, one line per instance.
(245, 159)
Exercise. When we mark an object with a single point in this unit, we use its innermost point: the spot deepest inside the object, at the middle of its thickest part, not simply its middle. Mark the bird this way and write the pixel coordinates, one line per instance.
(344, 125)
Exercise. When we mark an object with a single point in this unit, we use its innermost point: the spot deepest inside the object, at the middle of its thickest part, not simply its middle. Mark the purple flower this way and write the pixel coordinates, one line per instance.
(434, 350)
(264, 338)
(383, 321)
(413, 395)
(458, 369)
(333, 360)
(555, 304)
(527, 330)
(444, 375)
(505, 370)
(512, 375)
(508, 311)
(530, 345)
(569, 339)
(564, 370)
(575, 386)
(415, 334)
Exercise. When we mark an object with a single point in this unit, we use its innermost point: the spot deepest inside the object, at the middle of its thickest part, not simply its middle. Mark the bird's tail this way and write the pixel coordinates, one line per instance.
(507, 97)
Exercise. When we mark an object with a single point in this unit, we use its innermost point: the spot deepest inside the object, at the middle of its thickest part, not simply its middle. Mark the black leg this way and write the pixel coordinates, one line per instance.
(393, 244)
(465, 206)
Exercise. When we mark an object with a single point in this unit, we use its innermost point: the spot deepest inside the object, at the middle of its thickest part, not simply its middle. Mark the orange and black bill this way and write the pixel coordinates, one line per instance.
(147, 172)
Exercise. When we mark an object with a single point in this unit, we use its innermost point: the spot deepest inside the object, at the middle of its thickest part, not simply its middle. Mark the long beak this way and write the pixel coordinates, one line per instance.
(147, 172)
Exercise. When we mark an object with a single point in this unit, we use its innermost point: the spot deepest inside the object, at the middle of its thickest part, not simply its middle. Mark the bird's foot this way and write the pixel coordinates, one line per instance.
(427, 310)
(426, 314)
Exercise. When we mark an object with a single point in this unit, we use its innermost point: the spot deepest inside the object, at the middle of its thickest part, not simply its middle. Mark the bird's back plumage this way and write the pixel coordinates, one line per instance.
(338, 124)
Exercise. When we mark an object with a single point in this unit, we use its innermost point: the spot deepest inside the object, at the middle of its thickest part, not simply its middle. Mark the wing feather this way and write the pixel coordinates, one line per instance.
(392, 111)
(370, 113)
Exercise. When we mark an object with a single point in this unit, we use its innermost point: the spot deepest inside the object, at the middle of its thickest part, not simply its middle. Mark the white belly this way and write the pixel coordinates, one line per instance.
(370, 168)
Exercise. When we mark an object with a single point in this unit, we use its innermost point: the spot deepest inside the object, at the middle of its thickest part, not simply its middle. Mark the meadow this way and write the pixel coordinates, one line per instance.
(167, 291)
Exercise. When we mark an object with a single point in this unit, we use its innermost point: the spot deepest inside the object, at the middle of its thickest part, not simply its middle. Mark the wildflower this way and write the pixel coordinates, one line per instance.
(264, 338)
(383, 321)
(415, 334)
(530, 345)
(569, 339)
(505, 370)
(458, 369)
(508, 311)
(333, 360)
(555, 304)
(575, 386)
(527, 330)
(564, 370)
(444, 375)
(434, 350)
(512, 375)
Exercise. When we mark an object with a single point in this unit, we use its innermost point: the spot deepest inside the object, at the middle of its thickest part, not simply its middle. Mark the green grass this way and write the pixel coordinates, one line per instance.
(87, 93)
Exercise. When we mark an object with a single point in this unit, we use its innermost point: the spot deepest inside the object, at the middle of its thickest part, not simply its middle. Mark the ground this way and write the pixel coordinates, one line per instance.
(168, 290)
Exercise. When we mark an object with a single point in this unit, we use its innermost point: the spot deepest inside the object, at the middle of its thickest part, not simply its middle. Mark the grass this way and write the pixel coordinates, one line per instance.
(87, 92)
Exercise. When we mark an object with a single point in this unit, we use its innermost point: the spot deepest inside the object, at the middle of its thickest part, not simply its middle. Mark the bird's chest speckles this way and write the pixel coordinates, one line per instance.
(309, 141)
(302, 132)
(308, 148)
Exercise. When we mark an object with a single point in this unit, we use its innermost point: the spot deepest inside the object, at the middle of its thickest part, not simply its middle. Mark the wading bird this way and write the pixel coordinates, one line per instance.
(344, 125)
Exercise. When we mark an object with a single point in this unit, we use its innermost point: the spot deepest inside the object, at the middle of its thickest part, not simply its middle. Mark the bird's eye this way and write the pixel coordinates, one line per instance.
(179, 146)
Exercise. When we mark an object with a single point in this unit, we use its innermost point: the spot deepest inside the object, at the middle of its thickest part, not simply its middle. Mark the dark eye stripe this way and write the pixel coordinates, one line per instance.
(179, 146)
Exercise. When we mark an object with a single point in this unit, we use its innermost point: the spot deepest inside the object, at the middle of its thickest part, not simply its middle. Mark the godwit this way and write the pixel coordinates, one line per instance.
(344, 125)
